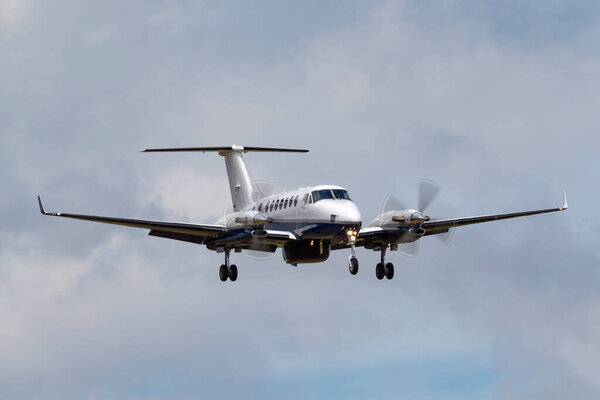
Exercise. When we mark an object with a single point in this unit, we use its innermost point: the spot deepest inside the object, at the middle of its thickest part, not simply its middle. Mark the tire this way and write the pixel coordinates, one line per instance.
(389, 270)
(353, 265)
(233, 273)
(223, 273)
(380, 271)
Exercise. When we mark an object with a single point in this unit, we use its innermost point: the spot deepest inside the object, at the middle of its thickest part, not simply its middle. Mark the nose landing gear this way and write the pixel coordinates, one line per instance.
(353, 265)
(352, 260)
(226, 270)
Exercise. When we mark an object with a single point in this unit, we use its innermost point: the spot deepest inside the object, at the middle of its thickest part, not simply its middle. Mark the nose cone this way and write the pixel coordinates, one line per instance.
(349, 213)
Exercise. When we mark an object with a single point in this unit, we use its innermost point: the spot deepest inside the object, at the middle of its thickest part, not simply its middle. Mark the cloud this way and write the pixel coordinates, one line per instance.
(502, 119)
(13, 13)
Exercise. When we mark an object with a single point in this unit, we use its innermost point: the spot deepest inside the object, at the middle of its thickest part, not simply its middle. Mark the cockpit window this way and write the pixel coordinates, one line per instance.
(304, 198)
(341, 194)
(322, 195)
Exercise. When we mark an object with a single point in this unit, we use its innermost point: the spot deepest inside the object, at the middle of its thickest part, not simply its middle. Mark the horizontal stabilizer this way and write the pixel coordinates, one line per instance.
(228, 149)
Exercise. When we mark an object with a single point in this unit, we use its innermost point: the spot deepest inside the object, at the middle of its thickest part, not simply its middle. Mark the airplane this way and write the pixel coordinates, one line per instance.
(307, 223)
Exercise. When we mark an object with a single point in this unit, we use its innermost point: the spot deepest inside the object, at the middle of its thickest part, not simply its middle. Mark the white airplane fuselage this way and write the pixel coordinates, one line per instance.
(299, 212)
(317, 215)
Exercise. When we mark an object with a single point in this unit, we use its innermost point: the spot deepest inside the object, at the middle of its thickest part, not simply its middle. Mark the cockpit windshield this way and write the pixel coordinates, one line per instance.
(322, 195)
(341, 194)
(338, 194)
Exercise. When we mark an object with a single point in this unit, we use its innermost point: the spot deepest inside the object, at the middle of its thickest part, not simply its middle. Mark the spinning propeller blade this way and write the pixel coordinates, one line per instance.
(428, 191)
(410, 249)
(391, 203)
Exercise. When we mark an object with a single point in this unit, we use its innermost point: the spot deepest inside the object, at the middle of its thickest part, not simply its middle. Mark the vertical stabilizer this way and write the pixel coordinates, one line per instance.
(239, 180)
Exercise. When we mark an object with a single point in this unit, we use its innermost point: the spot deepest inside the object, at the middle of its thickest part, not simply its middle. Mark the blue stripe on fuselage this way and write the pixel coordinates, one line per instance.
(311, 229)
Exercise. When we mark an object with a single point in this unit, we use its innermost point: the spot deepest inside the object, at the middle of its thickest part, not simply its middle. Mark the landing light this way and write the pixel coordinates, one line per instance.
(351, 233)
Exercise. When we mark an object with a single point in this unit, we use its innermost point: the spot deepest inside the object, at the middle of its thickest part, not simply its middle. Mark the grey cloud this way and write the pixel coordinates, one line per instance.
(381, 99)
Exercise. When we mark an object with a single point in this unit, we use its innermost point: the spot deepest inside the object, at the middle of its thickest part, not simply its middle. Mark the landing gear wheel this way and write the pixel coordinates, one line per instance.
(353, 265)
(389, 270)
(233, 273)
(380, 271)
(223, 273)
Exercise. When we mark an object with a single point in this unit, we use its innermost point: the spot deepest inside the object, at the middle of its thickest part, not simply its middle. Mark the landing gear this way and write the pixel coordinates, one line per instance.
(233, 272)
(223, 273)
(352, 260)
(228, 271)
(382, 269)
(389, 270)
(353, 265)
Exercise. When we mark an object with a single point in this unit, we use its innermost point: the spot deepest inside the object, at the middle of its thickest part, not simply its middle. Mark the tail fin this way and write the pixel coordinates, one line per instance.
(239, 180)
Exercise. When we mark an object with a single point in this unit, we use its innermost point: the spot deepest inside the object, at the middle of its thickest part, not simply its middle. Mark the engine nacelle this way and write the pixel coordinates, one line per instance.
(244, 219)
(306, 251)
(398, 218)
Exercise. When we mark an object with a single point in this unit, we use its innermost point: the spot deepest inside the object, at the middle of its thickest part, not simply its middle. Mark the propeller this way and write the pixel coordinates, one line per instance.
(391, 203)
(427, 192)
(256, 254)
(262, 189)
(410, 249)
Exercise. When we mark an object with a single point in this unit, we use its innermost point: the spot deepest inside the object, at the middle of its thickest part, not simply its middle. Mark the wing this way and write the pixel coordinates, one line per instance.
(174, 230)
(390, 234)
(443, 225)
(213, 236)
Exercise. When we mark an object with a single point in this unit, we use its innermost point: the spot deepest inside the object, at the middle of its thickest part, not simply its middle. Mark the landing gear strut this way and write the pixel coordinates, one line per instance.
(382, 269)
(352, 260)
(226, 270)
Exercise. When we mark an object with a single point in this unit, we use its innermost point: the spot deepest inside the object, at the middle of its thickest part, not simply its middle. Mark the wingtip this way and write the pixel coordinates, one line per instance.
(41, 206)
(565, 203)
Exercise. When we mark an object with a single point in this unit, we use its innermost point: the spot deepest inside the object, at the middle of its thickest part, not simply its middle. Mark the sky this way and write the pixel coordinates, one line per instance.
(497, 102)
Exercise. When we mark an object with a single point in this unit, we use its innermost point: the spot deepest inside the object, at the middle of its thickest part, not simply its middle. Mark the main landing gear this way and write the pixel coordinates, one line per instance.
(382, 269)
(226, 270)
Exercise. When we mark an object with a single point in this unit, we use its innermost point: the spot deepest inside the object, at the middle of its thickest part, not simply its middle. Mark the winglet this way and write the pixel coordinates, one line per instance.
(565, 204)
(41, 206)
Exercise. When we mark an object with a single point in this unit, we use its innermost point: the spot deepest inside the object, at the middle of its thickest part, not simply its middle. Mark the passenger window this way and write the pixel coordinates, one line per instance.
(280, 203)
(285, 203)
(267, 206)
(304, 199)
(295, 201)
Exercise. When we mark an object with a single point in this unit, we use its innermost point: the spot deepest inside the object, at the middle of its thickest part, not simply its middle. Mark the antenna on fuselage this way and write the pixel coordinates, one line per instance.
(239, 179)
